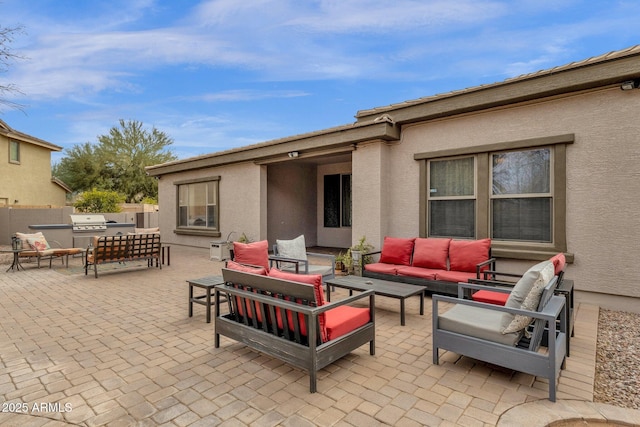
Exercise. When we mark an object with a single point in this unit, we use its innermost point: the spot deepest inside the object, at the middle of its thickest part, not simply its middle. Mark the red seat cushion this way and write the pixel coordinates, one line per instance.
(379, 267)
(256, 253)
(397, 250)
(454, 276)
(308, 279)
(490, 297)
(423, 273)
(431, 253)
(465, 255)
(344, 319)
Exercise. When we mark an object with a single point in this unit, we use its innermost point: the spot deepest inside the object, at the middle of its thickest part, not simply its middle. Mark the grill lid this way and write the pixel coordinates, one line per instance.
(88, 222)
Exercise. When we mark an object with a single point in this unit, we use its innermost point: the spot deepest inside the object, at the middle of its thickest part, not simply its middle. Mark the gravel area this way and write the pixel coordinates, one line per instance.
(617, 379)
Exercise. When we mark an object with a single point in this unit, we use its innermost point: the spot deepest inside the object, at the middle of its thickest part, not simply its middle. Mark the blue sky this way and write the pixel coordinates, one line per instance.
(220, 74)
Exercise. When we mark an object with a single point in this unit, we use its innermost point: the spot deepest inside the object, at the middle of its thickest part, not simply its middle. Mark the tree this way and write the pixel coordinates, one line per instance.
(96, 201)
(7, 56)
(117, 163)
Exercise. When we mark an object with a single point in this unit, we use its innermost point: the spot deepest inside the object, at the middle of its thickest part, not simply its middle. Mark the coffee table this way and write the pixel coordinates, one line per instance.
(384, 288)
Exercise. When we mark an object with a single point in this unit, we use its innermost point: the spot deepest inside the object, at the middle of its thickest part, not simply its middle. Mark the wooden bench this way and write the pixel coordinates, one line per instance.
(257, 309)
(123, 248)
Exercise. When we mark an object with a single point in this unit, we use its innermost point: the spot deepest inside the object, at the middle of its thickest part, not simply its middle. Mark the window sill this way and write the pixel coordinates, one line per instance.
(528, 254)
(197, 232)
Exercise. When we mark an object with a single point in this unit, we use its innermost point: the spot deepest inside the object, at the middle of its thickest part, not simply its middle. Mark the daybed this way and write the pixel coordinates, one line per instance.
(437, 263)
(284, 315)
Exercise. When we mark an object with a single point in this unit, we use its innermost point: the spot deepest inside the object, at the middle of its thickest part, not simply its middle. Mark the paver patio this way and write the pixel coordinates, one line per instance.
(121, 350)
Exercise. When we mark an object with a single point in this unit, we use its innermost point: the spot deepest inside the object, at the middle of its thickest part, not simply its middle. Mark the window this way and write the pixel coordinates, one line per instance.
(512, 192)
(337, 200)
(198, 205)
(14, 151)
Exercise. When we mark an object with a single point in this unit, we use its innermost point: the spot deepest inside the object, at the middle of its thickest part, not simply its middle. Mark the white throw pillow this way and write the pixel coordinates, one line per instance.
(526, 295)
(295, 248)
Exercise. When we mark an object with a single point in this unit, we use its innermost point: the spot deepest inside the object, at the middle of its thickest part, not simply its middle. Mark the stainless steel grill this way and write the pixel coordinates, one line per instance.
(82, 223)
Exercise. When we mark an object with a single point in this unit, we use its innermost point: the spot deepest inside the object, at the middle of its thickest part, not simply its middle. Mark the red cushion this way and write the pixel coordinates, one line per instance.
(423, 273)
(246, 269)
(559, 262)
(396, 250)
(344, 319)
(378, 267)
(231, 265)
(431, 253)
(454, 276)
(308, 279)
(252, 253)
(490, 297)
(465, 255)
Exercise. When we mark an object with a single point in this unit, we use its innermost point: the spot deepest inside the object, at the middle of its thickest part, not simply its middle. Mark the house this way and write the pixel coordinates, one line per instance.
(542, 163)
(26, 171)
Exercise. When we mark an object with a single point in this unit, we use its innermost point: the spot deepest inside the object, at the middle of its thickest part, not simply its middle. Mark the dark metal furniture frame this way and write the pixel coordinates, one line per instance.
(253, 302)
(123, 248)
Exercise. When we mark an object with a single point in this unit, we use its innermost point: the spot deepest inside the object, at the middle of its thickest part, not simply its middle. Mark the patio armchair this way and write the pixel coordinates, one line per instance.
(509, 336)
(292, 256)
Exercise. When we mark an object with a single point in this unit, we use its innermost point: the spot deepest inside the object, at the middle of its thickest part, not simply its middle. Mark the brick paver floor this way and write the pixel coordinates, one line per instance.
(121, 350)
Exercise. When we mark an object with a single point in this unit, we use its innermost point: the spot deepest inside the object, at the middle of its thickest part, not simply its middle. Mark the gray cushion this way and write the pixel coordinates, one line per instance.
(526, 295)
(295, 248)
(477, 322)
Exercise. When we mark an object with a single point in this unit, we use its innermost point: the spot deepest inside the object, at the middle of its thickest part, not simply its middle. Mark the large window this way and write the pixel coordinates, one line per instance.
(337, 200)
(512, 192)
(14, 151)
(198, 205)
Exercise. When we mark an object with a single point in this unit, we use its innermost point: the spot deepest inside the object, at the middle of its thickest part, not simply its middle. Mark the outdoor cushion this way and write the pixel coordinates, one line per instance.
(35, 241)
(295, 248)
(559, 262)
(423, 273)
(431, 253)
(379, 267)
(526, 295)
(491, 297)
(477, 322)
(465, 255)
(397, 251)
(256, 253)
(153, 230)
(454, 276)
(344, 319)
(231, 265)
(310, 279)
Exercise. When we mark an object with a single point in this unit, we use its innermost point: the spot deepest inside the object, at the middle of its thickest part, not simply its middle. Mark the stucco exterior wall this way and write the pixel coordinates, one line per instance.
(603, 178)
(242, 200)
(291, 200)
(28, 182)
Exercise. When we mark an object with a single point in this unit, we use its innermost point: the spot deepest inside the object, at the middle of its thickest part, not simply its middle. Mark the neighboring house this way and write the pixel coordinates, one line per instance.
(541, 163)
(26, 171)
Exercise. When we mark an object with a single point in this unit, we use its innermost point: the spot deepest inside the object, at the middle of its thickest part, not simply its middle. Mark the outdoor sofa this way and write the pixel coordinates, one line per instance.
(437, 263)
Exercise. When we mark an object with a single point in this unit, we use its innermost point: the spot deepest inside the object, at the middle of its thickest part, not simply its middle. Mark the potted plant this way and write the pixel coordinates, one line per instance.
(340, 262)
(357, 252)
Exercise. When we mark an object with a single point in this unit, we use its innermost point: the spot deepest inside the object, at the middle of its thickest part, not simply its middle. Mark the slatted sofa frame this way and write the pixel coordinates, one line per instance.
(123, 248)
(264, 295)
(526, 355)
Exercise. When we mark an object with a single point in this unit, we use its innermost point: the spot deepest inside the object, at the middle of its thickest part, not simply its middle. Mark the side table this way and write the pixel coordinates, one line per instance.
(206, 283)
(15, 265)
